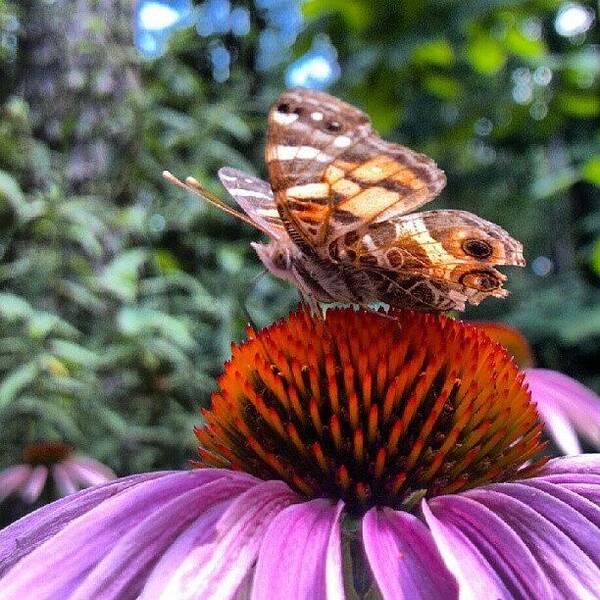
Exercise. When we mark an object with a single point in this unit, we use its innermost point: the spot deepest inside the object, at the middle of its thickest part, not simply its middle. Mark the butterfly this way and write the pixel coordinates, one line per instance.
(338, 211)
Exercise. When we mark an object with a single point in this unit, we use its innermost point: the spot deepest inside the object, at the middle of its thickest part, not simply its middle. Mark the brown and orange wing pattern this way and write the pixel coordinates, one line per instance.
(435, 260)
(331, 173)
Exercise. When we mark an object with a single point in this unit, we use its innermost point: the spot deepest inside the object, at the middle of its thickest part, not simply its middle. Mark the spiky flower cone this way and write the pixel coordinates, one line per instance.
(373, 409)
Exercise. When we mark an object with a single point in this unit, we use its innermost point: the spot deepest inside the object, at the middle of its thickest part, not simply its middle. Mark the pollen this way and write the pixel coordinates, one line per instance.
(374, 409)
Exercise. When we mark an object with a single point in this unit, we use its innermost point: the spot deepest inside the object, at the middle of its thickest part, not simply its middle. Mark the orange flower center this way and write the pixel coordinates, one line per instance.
(46, 453)
(371, 408)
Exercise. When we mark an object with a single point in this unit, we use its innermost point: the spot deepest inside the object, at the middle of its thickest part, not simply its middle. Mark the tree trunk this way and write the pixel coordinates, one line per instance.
(77, 67)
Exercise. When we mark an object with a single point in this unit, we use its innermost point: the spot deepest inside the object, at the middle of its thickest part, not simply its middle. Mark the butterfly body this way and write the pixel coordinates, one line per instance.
(339, 212)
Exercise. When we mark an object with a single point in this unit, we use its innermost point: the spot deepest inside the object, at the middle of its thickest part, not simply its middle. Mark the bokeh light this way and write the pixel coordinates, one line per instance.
(573, 19)
(317, 69)
(155, 20)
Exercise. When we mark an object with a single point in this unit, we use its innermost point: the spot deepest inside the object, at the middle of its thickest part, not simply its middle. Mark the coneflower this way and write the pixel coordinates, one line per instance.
(358, 455)
(568, 409)
(54, 463)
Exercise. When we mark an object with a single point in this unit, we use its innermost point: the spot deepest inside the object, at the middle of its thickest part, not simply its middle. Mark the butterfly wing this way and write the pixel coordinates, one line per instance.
(331, 173)
(433, 260)
(255, 196)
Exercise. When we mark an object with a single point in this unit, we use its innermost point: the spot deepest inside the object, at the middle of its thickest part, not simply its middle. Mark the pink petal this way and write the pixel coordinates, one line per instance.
(300, 555)
(563, 541)
(62, 564)
(579, 474)
(216, 570)
(31, 491)
(579, 468)
(138, 551)
(536, 538)
(88, 471)
(559, 428)
(25, 535)
(559, 395)
(403, 557)
(13, 478)
(63, 479)
(488, 559)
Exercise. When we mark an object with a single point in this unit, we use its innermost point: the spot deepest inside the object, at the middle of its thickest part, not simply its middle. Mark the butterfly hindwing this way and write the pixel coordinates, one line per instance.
(447, 250)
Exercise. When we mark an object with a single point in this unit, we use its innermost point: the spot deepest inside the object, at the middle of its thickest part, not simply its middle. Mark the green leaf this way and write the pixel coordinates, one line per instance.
(11, 191)
(438, 52)
(523, 46)
(485, 55)
(14, 307)
(585, 325)
(442, 86)
(138, 321)
(591, 170)
(121, 275)
(354, 12)
(74, 353)
(16, 381)
(579, 105)
(595, 258)
(42, 323)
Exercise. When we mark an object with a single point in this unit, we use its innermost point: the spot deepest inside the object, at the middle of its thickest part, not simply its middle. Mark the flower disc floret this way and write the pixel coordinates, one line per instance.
(374, 409)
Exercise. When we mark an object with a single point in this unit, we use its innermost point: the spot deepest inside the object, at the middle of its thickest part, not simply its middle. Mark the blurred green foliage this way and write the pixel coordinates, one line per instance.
(120, 295)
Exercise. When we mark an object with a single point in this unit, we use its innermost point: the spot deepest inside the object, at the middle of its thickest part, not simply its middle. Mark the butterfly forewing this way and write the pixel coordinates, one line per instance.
(331, 173)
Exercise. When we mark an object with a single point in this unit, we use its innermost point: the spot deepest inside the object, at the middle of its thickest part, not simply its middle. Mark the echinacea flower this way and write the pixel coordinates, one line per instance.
(69, 472)
(567, 407)
(357, 454)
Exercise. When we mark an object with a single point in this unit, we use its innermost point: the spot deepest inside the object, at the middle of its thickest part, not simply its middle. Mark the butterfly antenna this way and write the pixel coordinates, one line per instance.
(195, 187)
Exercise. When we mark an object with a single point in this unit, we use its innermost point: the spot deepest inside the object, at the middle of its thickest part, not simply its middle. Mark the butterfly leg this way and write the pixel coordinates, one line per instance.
(307, 300)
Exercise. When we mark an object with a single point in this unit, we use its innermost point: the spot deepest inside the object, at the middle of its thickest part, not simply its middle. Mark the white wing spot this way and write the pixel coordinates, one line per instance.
(342, 141)
(369, 243)
(268, 212)
(284, 118)
(308, 152)
(251, 193)
(294, 152)
(316, 116)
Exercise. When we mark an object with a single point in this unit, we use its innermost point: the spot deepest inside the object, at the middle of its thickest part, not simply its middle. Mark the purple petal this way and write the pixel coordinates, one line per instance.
(136, 554)
(12, 479)
(505, 538)
(563, 541)
(195, 568)
(100, 539)
(64, 480)
(31, 491)
(300, 556)
(404, 558)
(88, 471)
(579, 474)
(488, 559)
(556, 395)
(576, 467)
(559, 427)
(26, 534)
